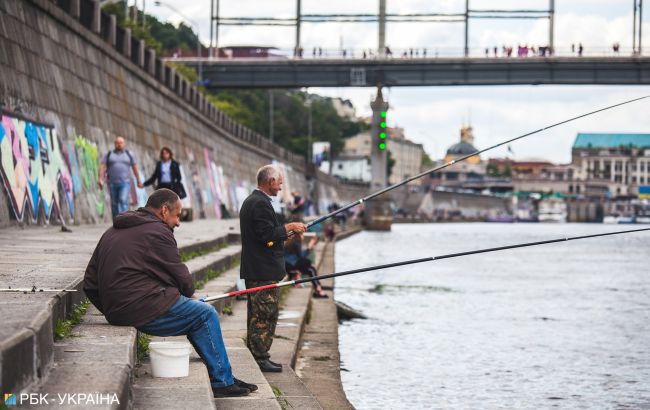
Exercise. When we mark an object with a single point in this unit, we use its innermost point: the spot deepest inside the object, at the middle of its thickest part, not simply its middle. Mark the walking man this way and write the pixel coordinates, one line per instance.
(263, 262)
(116, 165)
(136, 278)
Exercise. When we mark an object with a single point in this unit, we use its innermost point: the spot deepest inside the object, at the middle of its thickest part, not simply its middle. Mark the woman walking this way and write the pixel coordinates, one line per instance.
(167, 173)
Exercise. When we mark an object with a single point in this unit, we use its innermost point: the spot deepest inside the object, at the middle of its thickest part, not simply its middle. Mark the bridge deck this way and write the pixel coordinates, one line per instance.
(269, 73)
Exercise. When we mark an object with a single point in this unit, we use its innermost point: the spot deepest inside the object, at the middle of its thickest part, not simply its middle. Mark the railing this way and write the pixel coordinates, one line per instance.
(421, 53)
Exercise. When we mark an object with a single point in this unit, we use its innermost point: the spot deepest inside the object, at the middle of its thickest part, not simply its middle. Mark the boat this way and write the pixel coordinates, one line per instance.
(552, 209)
(610, 219)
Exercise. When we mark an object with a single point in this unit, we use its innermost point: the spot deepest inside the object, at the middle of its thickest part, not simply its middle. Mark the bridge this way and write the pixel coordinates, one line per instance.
(394, 72)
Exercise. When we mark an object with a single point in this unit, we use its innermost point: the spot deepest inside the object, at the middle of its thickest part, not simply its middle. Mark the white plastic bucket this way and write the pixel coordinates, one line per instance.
(170, 359)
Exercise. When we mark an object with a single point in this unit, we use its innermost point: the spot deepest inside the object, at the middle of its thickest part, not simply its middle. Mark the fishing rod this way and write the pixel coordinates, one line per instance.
(34, 289)
(413, 261)
(464, 157)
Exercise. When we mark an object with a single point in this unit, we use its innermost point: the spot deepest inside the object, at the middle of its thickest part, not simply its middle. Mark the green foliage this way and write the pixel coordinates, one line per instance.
(276, 391)
(248, 107)
(143, 346)
(427, 162)
(186, 256)
(227, 310)
(291, 117)
(214, 273)
(163, 37)
(63, 328)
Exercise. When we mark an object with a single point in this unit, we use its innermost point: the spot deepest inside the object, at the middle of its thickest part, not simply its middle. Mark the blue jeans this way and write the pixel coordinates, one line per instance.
(119, 197)
(200, 322)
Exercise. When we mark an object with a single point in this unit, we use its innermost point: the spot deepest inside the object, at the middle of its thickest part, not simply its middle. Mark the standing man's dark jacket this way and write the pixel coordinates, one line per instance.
(259, 226)
(135, 274)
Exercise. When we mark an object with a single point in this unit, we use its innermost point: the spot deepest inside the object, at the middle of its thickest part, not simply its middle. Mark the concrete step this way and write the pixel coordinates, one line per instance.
(244, 366)
(194, 390)
(191, 392)
(98, 358)
(102, 357)
(49, 258)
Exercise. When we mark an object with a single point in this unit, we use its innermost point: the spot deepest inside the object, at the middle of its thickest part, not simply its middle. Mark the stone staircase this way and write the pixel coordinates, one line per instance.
(100, 360)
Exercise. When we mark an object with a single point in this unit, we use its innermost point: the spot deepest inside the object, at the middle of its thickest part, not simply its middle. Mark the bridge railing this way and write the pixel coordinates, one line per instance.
(517, 51)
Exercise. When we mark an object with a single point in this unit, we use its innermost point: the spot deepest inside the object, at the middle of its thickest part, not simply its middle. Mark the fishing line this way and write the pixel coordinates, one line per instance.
(414, 261)
(450, 163)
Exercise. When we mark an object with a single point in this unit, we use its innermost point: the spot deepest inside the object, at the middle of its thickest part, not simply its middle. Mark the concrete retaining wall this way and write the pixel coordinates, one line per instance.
(71, 81)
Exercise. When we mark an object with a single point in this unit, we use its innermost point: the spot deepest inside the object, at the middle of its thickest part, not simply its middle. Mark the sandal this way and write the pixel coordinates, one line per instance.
(320, 295)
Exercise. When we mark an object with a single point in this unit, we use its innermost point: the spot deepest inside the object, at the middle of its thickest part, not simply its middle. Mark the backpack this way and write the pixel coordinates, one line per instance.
(108, 157)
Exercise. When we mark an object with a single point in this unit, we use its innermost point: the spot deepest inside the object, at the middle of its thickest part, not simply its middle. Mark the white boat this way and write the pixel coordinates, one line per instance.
(552, 210)
(642, 219)
(610, 219)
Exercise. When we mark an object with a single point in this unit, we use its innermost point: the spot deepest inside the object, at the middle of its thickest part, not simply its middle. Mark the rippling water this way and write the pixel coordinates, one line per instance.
(563, 325)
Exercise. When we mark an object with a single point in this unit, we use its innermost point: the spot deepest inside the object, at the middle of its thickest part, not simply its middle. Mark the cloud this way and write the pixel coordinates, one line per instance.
(433, 115)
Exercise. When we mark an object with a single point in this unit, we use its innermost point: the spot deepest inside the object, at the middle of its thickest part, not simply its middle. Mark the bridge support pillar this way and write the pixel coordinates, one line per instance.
(377, 215)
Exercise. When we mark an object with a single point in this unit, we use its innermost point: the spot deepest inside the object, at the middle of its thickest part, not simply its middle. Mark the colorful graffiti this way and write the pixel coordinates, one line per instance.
(33, 169)
(88, 171)
(210, 166)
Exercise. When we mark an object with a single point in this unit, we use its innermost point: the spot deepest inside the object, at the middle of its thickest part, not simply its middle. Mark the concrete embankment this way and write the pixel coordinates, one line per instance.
(102, 359)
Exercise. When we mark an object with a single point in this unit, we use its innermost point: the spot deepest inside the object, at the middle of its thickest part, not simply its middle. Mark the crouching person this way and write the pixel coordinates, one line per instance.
(136, 278)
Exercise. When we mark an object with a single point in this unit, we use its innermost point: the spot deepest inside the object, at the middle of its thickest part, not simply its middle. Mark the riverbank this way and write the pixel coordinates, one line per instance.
(319, 363)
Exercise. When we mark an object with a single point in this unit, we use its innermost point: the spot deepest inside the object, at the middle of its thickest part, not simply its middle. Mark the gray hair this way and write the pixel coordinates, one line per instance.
(266, 173)
(160, 197)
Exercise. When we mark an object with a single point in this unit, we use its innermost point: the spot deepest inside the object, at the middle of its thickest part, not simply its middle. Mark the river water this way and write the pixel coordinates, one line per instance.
(564, 325)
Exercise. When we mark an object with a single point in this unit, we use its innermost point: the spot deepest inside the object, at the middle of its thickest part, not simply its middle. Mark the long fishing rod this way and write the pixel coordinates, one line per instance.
(413, 261)
(34, 289)
(450, 163)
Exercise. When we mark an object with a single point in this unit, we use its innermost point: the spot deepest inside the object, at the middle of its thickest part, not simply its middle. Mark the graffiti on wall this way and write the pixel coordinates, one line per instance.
(88, 170)
(209, 165)
(33, 168)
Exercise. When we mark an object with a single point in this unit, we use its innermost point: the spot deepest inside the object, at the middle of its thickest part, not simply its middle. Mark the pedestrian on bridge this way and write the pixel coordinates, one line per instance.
(262, 262)
(136, 278)
(116, 165)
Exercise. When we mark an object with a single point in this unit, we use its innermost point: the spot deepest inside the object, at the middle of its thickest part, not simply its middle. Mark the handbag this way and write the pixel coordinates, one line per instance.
(180, 190)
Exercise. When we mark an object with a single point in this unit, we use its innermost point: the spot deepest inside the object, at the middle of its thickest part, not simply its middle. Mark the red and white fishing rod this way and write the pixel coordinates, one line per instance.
(413, 261)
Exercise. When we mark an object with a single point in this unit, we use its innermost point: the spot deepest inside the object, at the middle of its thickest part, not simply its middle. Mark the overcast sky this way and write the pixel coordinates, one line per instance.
(433, 115)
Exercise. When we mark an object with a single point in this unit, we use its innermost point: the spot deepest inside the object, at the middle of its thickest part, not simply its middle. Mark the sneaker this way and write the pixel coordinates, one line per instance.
(249, 386)
(233, 390)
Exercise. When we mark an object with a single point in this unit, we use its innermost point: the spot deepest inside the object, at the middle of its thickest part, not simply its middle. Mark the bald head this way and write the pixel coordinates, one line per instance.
(120, 143)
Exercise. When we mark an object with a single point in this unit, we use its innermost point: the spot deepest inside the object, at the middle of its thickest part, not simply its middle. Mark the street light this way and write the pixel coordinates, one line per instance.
(308, 105)
(198, 40)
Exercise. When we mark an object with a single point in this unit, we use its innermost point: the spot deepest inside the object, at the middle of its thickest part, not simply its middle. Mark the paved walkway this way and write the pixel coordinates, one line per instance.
(46, 257)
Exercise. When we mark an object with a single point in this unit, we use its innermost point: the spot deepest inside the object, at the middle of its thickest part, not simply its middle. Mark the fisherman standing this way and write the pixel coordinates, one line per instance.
(262, 262)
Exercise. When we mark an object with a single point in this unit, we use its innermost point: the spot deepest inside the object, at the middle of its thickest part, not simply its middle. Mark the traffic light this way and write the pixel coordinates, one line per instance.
(382, 131)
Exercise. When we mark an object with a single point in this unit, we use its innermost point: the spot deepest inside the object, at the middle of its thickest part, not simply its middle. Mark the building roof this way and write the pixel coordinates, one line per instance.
(461, 148)
(604, 140)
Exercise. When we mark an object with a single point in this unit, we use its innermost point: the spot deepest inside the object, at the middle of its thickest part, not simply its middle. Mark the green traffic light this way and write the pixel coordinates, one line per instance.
(382, 124)
(383, 114)
(382, 135)
(382, 146)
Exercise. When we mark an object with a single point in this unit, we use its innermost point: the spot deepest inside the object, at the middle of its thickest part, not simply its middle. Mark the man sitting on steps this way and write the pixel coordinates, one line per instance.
(136, 278)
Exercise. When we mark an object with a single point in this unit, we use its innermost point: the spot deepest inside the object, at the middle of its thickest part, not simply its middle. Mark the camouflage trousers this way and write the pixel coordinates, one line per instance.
(263, 311)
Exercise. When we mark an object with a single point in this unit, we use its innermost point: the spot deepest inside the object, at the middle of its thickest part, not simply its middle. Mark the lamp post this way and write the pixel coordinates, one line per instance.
(198, 40)
(308, 105)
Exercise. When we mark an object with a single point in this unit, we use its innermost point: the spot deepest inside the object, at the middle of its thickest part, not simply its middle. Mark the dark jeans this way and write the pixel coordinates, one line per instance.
(200, 322)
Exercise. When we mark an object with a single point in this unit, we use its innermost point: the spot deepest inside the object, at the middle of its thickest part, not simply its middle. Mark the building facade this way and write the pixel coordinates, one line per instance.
(610, 165)
(406, 154)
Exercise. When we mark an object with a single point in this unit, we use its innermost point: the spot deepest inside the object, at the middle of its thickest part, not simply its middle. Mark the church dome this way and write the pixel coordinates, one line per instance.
(461, 148)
